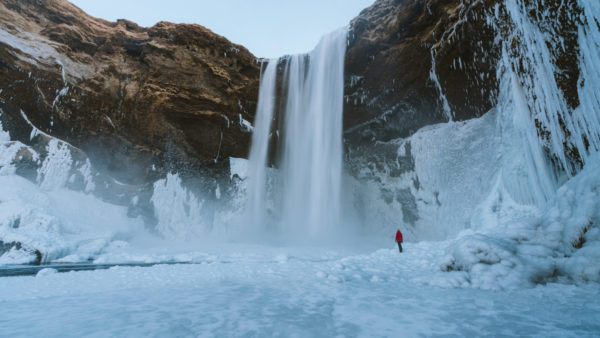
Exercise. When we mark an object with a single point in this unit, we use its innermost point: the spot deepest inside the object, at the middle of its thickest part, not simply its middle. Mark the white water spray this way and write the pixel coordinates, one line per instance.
(311, 161)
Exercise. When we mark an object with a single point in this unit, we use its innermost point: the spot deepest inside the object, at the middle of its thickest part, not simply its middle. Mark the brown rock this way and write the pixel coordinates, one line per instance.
(390, 91)
(170, 95)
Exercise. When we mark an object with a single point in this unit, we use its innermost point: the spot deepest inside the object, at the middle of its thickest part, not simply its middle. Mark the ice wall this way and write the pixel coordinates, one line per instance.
(545, 142)
(547, 187)
(178, 211)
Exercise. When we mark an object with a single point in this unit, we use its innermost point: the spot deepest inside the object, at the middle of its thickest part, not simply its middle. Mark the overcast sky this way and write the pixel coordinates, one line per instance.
(268, 28)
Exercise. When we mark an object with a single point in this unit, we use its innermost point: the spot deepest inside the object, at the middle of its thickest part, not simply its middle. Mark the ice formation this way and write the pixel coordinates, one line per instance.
(563, 243)
(540, 222)
(176, 208)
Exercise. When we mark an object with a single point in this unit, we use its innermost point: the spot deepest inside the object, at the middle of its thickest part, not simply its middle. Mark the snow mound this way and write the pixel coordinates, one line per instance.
(46, 272)
(57, 223)
(563, 244)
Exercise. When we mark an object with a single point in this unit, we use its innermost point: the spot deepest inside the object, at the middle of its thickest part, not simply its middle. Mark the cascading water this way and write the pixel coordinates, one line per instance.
(311, 140)
(257, 167)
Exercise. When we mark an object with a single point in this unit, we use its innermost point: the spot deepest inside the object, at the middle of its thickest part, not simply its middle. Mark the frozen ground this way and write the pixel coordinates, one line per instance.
(529, 273)
(245, 290)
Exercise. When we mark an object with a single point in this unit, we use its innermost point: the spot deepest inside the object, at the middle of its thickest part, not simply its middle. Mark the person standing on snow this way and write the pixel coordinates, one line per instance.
(399, 240)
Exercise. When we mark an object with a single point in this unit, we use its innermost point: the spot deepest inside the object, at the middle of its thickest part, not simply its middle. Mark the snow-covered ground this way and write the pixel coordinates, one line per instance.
(532, 273)
(244, 290)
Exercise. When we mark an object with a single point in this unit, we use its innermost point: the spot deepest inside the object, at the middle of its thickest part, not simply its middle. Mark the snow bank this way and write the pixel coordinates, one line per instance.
(562, 244)
(54, 224)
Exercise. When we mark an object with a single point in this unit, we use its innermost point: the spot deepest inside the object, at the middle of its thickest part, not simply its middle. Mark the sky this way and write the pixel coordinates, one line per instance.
(268, 28)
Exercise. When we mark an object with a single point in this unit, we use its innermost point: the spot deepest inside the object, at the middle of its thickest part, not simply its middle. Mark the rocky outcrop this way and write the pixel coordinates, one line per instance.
(131, 98)
(411, 64)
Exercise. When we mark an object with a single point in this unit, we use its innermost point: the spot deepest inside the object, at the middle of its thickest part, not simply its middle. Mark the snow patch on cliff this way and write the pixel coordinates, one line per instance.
(36, 49)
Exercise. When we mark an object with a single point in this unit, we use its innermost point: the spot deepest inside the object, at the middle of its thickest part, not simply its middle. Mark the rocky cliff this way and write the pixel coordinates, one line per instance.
(407, 65)
(412, 63)
(131, 98)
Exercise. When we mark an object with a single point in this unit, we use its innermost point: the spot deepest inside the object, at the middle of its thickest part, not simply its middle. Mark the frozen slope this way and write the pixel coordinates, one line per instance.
(270, 292)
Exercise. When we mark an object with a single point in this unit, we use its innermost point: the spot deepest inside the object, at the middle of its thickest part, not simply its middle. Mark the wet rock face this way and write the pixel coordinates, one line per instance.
(130, 97)
(413, 63)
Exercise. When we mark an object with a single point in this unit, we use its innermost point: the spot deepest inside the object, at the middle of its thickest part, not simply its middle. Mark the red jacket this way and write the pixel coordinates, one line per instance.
(398, 236)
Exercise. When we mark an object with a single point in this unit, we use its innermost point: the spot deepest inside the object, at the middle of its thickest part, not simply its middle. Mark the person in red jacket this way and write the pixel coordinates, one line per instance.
(399, 240)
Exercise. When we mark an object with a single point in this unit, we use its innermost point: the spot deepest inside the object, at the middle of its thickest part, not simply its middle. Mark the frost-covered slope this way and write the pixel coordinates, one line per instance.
(428, 184)
(561, 244)
(48, 212)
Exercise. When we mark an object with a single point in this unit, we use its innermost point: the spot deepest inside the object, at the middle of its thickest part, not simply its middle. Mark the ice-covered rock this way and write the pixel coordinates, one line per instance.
(562, 244)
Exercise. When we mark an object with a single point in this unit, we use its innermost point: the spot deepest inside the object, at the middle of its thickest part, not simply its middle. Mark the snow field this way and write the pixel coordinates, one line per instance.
(310, 292)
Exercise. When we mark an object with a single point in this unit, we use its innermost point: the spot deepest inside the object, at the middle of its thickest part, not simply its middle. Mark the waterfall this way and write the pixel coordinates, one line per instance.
(257, 171)
(310, 164)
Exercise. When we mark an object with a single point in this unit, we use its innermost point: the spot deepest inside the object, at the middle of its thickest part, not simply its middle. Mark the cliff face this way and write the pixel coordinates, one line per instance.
(407, 66)
(132, 98)
(522, 67)
(141, 102)
(412, 63)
